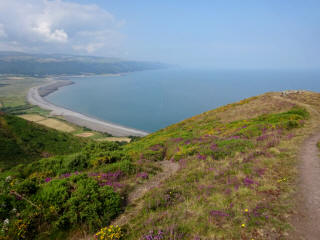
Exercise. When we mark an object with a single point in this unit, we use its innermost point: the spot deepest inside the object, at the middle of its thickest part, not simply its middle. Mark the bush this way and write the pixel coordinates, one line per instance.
(109, 233)
(54, 193)
(27, 187)
(80, 162)
(91, 204)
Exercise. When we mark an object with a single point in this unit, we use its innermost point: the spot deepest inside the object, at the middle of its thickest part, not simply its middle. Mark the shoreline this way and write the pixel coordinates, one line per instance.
(36, 96)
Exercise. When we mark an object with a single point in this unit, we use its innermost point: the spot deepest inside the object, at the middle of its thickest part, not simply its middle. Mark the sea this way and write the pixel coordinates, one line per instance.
(153, 99)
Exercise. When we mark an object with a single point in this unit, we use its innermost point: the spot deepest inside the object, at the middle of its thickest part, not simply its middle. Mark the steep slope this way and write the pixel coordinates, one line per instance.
(22, 141)
(237, 173)
(236, 179)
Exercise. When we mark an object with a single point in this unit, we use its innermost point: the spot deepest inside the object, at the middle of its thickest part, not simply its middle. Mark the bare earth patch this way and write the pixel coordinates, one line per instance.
(168, 169)
(56, 124)
(307, 217)
(115, 139)
(32, 117)
(85, 134)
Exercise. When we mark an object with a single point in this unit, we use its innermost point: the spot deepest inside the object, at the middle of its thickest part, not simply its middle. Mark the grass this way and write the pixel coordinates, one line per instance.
(229, 184)
(21, 140)
(236, 178)
(13, 94)
(56, 124)
(32, 117)
(115, 139)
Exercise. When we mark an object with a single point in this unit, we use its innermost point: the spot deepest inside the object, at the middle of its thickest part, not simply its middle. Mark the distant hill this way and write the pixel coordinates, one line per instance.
(58, 64)
(23, 141)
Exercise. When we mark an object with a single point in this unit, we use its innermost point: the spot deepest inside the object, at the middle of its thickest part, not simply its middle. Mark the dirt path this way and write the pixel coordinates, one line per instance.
(169, 168)
(307, 218)
(134, 205)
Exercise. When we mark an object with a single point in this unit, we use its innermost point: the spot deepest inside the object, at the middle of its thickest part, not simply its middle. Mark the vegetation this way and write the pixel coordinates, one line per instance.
(43, 65)
(235, 181)
(21, 140)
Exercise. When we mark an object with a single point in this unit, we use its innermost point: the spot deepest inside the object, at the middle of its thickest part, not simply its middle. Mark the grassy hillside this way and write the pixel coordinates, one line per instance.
(22, 141)
(236, 179)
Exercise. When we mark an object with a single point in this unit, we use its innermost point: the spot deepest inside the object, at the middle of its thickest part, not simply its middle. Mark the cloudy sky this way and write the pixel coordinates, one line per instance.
(206, 33)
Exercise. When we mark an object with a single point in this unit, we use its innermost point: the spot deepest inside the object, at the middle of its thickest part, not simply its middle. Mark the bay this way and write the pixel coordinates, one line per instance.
(151, 100)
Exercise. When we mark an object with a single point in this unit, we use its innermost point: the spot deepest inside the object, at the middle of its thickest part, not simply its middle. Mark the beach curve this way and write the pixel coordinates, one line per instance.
(36, 96)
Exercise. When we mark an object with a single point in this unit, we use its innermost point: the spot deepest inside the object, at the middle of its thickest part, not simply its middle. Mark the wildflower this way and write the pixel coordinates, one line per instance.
(143, 175)
(218, 213)
(201, 157)
(247, 181)
(109, 233)
(8, 179)
(214, 147)
(246, 210)
(6, 221)
(282, 180)
(243, 225)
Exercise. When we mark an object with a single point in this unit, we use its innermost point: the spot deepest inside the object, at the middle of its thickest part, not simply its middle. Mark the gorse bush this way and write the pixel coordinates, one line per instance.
(109, 233)
(56, 194)
(64, 203)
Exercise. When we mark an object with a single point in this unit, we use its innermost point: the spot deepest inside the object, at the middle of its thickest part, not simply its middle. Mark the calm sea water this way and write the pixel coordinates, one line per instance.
(151, 100)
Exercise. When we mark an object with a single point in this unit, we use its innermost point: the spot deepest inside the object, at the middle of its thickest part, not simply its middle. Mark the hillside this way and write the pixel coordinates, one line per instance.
(22, 141)
(229, 173)
(53, 64)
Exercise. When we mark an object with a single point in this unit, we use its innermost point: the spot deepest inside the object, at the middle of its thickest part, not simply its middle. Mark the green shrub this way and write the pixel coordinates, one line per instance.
(92, 204)
(54, 193)
(27, 187)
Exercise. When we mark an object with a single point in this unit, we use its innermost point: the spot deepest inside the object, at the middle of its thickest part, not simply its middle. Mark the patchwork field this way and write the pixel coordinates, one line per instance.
(49, 122)
(85, 134)
(56, 124)
(115, 139)
(32, 117)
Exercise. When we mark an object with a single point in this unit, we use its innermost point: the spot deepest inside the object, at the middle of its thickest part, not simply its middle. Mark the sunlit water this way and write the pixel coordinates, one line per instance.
(151, 100)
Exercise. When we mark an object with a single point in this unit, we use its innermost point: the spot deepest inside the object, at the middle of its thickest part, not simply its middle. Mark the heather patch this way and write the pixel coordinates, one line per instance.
(228, 175)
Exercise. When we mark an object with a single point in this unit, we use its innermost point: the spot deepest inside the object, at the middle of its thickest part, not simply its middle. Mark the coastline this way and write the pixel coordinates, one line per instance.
(36, 96)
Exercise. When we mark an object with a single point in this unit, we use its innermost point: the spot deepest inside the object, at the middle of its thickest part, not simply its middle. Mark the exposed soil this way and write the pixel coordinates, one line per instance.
(306, 220)
(168, 169)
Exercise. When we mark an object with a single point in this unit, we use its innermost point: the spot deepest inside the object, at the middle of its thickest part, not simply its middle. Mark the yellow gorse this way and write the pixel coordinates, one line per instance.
(109, 233)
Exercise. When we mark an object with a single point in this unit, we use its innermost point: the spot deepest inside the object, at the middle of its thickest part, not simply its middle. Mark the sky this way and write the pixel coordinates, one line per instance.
(217, 34)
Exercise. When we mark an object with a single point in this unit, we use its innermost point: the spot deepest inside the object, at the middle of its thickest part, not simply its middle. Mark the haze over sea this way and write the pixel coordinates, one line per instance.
(151, 100)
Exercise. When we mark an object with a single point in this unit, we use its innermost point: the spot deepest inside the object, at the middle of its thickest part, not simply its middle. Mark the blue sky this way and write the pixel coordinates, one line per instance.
(246, 34)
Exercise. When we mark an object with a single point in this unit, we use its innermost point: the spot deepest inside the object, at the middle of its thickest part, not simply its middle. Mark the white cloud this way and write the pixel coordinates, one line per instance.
(58, 26)
(44, 30)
